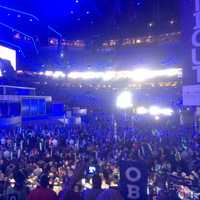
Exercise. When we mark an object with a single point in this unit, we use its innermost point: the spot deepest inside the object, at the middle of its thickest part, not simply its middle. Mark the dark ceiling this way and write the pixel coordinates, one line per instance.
(93, 18)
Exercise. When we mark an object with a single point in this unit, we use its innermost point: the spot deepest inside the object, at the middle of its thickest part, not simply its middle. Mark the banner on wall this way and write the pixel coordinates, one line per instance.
(191, 50)
(191, 40)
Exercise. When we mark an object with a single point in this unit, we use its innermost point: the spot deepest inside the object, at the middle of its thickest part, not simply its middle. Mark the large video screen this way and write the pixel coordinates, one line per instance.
(8, 54)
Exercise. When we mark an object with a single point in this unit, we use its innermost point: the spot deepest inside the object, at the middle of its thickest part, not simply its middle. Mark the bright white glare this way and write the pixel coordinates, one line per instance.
(124, 100)
(62, 55)
(85, 75)
(56, 74)
(154, 110)
(141, 111)
(167, 111)
(20, 72)
(8, 54)
(138, 75)
(48, 73)
(141, 75)
(157, 118)
(109, 75)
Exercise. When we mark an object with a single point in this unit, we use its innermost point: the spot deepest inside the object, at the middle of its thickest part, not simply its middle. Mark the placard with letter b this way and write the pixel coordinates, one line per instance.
(133, 180)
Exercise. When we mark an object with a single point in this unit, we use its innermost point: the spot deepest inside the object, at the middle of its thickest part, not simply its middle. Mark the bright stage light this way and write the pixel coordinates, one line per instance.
(85, 75)
(154, 110)
(167, 111)
(62, 55)
(58, 74)
(138, 75)
(41, 73)
(141, 111)
(48, 73)
(141, 75)
(157, 118)
(109, 75)
(124, 100)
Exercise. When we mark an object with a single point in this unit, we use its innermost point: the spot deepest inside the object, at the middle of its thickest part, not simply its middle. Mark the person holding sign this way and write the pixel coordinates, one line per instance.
(133, 180)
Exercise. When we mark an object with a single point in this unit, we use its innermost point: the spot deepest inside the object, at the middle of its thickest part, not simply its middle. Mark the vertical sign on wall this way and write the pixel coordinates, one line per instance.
(191, 50)
(133, 180)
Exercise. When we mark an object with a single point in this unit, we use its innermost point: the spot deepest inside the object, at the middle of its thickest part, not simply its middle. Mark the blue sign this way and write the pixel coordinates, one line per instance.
(133, 180)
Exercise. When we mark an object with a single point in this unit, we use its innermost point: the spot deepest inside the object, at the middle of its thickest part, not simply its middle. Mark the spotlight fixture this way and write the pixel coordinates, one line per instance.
(124, 100)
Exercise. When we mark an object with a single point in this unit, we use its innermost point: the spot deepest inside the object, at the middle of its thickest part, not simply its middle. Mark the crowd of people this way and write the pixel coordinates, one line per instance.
(48, 162)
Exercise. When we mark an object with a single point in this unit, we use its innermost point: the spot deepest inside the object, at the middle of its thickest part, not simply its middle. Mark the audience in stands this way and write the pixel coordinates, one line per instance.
(92, 194)
(52, 162)
(42, 191)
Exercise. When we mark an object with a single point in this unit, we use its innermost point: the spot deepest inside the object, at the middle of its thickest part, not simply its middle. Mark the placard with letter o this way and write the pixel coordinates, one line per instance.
(133, 180)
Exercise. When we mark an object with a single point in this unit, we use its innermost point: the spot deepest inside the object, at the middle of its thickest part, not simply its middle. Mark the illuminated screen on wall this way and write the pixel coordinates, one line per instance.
(8, 54)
